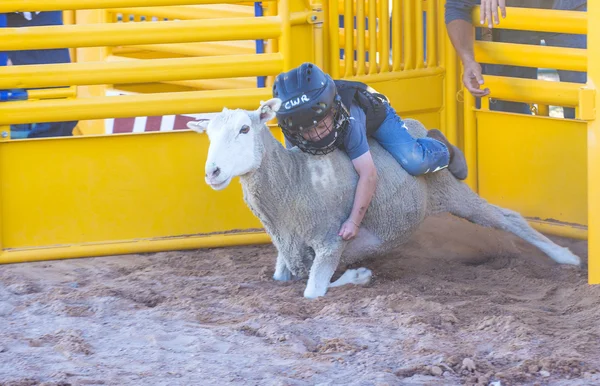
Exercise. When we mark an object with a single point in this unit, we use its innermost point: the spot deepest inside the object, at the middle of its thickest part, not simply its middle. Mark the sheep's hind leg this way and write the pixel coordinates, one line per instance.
(478, 211)
(360, 276)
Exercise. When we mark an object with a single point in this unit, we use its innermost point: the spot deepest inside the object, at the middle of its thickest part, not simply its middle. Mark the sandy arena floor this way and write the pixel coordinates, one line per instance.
(458, 305)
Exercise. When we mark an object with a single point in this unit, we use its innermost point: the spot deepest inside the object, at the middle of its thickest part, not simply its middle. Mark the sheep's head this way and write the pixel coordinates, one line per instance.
(235, 144)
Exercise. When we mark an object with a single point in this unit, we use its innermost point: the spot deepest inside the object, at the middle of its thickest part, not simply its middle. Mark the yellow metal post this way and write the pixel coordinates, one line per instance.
(4, 137)
(91, 54)
(372, 37)
(360, 34)
(452, 86)
(321, 34)
(396, 35)
(432, 39)
(319, 45)
(470, 141)
(384, 36)
(334, 39)
(408, 23)
(593, 45)
(543, 110)
(285, 44)
(349, 38)
(270, 9)
(419, 38)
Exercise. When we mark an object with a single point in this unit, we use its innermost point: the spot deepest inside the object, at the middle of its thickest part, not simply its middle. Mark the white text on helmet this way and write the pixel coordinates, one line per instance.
(296, 102)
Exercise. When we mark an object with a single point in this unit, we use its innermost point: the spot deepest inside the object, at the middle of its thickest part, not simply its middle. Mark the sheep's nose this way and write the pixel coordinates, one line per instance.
(214, 173)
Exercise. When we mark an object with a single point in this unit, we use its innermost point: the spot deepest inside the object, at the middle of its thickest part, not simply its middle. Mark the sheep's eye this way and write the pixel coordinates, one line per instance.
(245, 129)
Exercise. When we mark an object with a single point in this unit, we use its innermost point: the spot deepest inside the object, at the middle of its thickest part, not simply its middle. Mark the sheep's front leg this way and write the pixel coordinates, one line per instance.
(282, 273)
(323, 268)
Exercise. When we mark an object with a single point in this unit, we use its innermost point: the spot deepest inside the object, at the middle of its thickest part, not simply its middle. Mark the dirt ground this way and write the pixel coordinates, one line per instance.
(459, 304)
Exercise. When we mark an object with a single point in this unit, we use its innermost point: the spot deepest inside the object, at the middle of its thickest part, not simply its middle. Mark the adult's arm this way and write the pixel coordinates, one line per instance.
(461, 34)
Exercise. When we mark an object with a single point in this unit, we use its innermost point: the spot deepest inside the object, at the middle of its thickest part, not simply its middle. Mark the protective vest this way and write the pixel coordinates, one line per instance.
(372, 103)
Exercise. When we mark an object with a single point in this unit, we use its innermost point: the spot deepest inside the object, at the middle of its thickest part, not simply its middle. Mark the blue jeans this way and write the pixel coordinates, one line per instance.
(417, 156)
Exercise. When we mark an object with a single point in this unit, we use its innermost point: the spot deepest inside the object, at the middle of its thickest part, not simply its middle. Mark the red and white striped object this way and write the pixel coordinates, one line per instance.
(149, 124)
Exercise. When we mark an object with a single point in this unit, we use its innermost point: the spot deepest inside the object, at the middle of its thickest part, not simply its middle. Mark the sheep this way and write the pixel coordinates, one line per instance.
(302, 199)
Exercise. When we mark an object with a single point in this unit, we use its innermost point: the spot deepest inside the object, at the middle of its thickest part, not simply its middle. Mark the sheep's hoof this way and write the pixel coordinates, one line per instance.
(313, 293)
(360, 276)
(565, 256)
(282, 276)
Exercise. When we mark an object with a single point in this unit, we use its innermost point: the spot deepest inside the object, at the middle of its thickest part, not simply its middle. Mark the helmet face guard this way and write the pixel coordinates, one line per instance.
(309, 100)
(323, 136)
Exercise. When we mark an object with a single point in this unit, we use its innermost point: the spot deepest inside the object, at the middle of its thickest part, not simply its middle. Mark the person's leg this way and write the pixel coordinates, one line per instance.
(416, 156)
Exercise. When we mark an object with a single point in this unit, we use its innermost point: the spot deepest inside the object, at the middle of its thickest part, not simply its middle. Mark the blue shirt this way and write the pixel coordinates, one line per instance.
(355, 143)
(461, 9)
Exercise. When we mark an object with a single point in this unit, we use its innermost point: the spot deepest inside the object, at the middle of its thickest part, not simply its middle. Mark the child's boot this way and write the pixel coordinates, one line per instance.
(458, 163)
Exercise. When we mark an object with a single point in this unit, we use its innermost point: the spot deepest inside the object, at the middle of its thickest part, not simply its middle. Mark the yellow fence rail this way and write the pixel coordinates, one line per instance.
(210, 67)
(56, 5)
(101, 35)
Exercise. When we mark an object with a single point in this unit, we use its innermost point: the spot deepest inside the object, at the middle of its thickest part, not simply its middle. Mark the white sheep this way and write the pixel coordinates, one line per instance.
(303, 199)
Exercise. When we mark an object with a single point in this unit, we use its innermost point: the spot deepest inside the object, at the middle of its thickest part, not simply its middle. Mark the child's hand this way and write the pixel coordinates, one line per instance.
(348, 230)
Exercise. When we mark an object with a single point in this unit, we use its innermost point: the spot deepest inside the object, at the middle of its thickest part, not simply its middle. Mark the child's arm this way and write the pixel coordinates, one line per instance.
(365, 189)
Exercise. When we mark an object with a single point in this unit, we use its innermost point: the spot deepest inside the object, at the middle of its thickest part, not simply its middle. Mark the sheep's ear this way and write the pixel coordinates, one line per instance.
(198, 126)
(267, 109)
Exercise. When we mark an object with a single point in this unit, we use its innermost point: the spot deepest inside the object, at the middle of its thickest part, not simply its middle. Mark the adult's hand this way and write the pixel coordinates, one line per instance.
(473, 80)
(489, 11)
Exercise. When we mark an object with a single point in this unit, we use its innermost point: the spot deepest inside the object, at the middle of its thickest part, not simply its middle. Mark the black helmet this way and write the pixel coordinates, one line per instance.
(308, 95)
